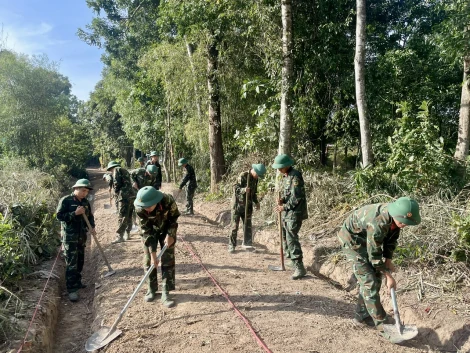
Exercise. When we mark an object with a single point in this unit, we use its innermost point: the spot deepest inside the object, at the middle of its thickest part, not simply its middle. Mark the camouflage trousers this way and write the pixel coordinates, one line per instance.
(125, 210)
(189, 199)
(290, 239)
(74, 254)
(369, 280)
(167, 264)
(238, 214)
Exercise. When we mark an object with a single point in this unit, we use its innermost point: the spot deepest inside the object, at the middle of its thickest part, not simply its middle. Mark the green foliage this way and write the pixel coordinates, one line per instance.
(461, 224)
(417, 162)
(37, 115)
(28, 230)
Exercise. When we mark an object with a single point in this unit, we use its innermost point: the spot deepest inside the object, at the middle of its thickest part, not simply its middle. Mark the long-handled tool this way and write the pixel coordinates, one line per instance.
(107, 334)
(282, 267)
(110, 270)
(247, 200)
(398, 333)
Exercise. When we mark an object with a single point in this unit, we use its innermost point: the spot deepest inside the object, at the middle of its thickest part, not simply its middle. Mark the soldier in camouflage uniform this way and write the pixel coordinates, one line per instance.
(141, 162)
(109, 179)
(158, 214)
(293, 205)
(368, 238)
(240, 192)
(154, 161)
(125, 195)
(74, 234)
(190, 179)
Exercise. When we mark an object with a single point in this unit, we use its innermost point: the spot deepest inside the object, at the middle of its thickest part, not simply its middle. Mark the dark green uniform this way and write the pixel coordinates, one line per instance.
(125, 195)
(295, 211)
(139, 176)
(238, 208)
(156, 225)
(74, 238)
(157, 180)
(367, 237)
(190, 179)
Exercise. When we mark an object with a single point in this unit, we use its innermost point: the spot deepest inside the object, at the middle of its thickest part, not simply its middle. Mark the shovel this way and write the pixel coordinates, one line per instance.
(110, 270)
(282, 267)
(398, 333)
(105, 334)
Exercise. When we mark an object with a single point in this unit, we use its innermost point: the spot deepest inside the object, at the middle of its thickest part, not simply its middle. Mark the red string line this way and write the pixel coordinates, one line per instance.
(38, 304)
(224, 293)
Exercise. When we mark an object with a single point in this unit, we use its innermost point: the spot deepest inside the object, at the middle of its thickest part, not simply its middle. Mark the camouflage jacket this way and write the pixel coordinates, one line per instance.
(123, 184)
(74, 227)
(239, 191)
(157, 184)
(189, 178)
(162, 220)
(293, 195)
(368, 231)
(140, 177)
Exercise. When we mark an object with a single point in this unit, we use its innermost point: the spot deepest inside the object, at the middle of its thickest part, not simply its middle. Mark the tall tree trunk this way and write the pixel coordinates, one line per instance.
(359, 68)
(286, 83)
(217, 163)
(461, 150)
(190, 50)
(170, 142)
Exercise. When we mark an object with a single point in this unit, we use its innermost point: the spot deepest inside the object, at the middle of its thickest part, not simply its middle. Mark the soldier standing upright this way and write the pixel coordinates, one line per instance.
(241, 191)
(125, 194)
(293, 205)
(69, 212)
(154, 161)
(190, 179)
(158, 214)
(368, 236)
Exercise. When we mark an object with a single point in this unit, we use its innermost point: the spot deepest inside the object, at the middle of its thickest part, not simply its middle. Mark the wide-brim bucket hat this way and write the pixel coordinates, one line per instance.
(112, 164)
(83, 183)
(148, 196)
(153, 153)
(182, 161)
(282, 161)
(259, 169)
(405, 210)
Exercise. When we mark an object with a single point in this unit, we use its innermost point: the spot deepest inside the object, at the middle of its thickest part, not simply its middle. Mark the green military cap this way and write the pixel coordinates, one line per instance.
(153, 153)
(182, 161)
(148, 196)
(140, 159)
(112, 164)
(282, 161)
(405, 210)
(83, 183)
(152, 169)
(259, 169)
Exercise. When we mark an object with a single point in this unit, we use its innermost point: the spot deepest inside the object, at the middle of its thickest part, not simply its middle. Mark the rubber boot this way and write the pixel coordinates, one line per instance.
(300, 270)
(149, 296)
(118, 239)
(73, 297)
(289, 263)
(367, 321)
(127, 235)
(166, 300)
(231, 248)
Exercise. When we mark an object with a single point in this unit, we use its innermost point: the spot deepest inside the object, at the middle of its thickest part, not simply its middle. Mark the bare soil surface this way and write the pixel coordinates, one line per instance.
(308, 315)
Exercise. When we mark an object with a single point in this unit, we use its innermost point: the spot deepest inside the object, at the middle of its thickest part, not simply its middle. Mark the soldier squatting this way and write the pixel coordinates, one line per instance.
(368, 236)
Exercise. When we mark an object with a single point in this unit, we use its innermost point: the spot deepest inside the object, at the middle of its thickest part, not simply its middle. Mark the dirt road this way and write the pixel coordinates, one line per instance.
(307, 315)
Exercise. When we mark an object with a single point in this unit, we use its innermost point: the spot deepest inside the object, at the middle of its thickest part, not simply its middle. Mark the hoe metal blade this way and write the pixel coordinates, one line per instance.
(101, 338)
(276, 268)
(393, 335)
